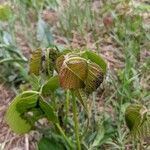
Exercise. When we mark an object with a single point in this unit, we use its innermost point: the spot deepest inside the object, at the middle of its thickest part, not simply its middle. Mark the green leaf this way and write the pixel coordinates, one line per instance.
(48, 110)
(64, 51)
(50, 144)
(13, 116)
(138, 121)
(35, 82)
(82, 97)
(36, 62)
(76, 72)
(27, 102)
(133, 116)
(95, 58)
(5, 12)
(51, 55)
(51, 85)
(59, 62)
(94, 77)
(73, 72)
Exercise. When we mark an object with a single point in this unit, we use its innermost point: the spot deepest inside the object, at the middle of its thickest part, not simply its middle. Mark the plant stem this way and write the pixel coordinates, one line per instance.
(64, 136)
(94, 103)
(76, 121)
(67, 103)
(54, 101)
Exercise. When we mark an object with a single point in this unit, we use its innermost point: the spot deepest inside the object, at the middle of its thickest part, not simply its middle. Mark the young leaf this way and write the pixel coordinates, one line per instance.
(95, 59)
(26, 102)
(133, 116)
(73, 73)
(35, 82)
(48, 110)
(76, 72)
(138, 121)
(59, 62)
(36, 62)
(94, 77)
(13, 116)
(82, 97)
(51, 55)
(51, 85)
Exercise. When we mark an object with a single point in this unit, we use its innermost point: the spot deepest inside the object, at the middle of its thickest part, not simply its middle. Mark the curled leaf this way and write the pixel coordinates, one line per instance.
(73, 73)
(26, 109)
(14, 113)
(36, 62)
(81, 70)
(59, 62)
(51, 55)
(95, 58)
(138, 121)
(94, 77)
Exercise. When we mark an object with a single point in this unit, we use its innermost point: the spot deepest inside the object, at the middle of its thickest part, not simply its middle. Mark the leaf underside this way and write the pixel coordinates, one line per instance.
(51, 85)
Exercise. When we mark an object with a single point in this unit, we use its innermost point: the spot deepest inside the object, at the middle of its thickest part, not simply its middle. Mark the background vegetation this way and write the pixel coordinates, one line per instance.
(119, 30)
